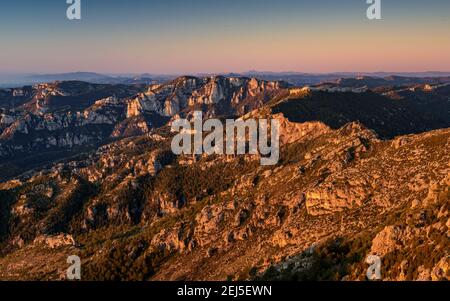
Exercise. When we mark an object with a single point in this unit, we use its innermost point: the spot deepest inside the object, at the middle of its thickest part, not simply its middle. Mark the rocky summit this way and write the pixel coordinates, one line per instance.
(87, 170)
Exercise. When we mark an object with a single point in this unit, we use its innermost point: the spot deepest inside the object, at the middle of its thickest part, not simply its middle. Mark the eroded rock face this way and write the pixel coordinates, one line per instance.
(441, 270)
(292, 132)
(186, 93)
(331, 199)
(64, 116)
(388, 240)
(57, 241)
(178, 239)
(337, 192)
(209, 223)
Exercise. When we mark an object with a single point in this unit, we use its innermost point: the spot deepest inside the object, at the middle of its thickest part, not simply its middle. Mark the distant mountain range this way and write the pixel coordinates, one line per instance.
(299, 79)
(12, 81)
(294, 78)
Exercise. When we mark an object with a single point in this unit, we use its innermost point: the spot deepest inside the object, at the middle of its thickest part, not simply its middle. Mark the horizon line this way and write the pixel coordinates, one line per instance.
(33, 73)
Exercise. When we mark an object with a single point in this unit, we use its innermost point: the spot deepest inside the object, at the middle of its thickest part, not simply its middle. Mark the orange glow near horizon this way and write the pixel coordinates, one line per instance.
(273, 40)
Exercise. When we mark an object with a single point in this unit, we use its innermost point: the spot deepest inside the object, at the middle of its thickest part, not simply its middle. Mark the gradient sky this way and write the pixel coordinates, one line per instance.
(193, 36)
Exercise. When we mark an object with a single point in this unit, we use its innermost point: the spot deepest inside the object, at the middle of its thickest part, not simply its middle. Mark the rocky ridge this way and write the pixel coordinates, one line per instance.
(132, 210)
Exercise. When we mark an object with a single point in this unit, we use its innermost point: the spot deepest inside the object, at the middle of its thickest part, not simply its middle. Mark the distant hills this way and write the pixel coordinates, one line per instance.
(14, 80)
(299, 79)
(294, 78)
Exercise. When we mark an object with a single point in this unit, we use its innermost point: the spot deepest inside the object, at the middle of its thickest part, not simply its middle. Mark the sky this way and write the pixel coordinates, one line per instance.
(217, 36)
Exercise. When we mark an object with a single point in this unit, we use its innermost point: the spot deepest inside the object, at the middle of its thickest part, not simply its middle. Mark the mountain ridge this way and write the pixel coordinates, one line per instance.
(360, 173)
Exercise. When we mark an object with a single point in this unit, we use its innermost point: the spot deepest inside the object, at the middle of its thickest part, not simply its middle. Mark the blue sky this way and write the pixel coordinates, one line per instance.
(175, 36)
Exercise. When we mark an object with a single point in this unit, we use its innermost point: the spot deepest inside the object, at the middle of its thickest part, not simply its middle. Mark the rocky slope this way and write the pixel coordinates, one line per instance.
(344, 188)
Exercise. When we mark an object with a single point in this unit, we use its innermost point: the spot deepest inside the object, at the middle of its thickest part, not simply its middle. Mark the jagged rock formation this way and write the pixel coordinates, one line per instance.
(220, 94)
